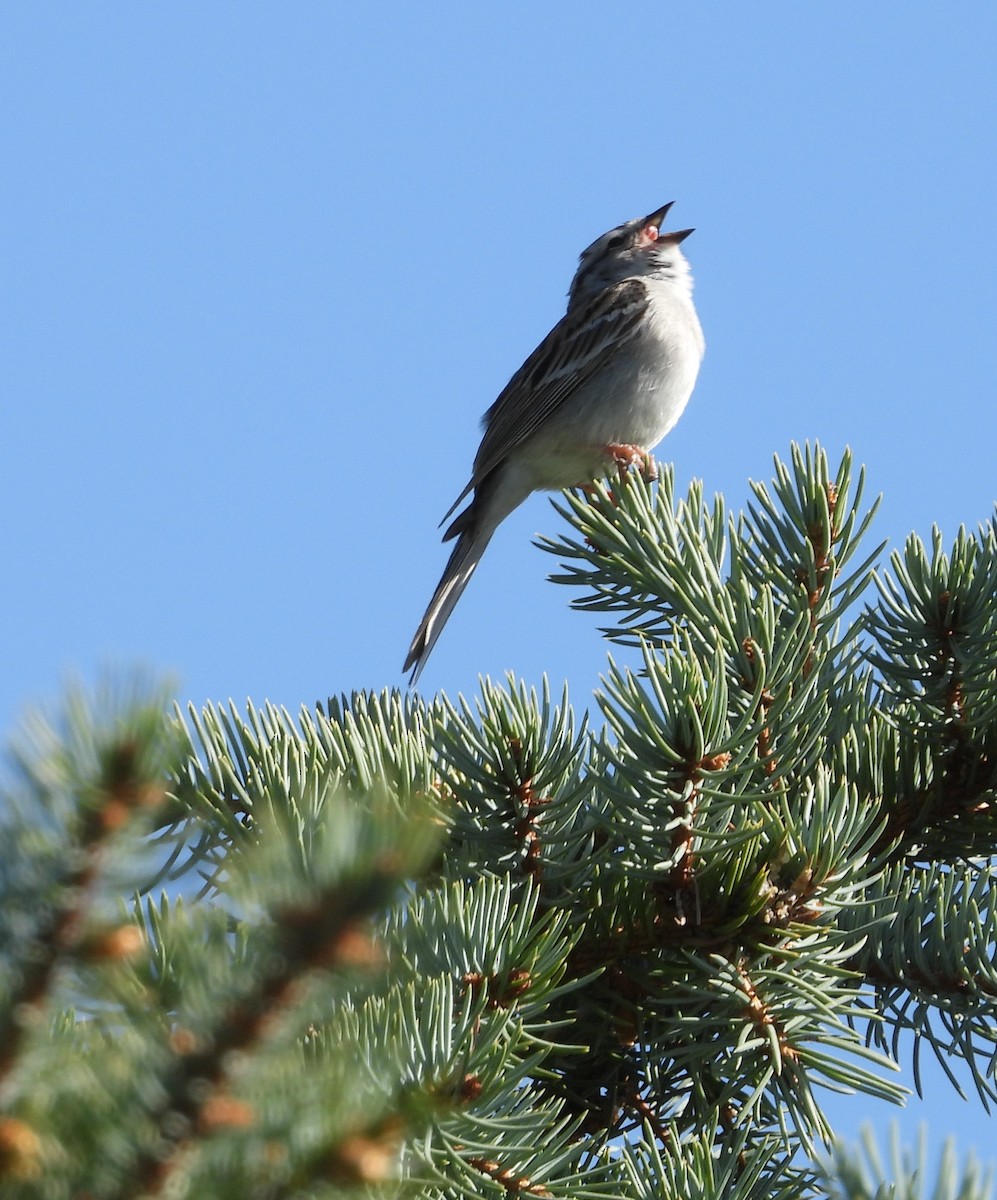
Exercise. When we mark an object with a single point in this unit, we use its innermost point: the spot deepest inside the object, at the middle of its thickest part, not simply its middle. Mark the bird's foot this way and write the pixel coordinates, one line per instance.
(625, 456)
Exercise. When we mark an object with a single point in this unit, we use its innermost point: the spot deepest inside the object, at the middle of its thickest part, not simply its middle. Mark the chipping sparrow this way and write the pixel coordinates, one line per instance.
(606, 384)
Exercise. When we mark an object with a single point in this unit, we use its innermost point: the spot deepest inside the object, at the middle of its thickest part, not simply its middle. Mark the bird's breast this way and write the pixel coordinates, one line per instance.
(635, 398)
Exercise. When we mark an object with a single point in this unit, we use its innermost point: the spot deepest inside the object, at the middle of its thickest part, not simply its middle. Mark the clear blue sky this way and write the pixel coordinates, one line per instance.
(265, 265)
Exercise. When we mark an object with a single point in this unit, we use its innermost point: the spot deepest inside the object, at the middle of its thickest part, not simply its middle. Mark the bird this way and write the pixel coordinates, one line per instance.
(604, 386)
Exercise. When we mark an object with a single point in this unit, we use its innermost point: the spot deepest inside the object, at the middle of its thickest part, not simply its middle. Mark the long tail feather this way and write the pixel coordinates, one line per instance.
(465, 557)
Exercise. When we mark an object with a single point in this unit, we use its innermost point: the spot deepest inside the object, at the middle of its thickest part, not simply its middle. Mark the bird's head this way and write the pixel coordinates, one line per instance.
(637, 248)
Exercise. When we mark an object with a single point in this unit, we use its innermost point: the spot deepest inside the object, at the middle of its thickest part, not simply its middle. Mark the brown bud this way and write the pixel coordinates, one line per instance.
(20, 1150)
(354, 947)
(224, 1112)
(114, 945)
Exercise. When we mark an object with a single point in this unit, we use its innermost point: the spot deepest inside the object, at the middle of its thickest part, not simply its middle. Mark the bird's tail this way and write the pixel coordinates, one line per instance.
(465, 557)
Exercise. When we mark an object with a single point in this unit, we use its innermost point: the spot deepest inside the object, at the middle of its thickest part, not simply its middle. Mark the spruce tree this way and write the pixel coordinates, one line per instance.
(493, 947)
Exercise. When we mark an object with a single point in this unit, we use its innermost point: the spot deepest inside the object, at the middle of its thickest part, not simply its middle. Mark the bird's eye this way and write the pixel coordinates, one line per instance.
(616, 241)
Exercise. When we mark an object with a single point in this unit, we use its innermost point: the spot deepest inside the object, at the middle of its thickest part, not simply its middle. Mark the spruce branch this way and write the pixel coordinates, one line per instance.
(935, 629)
(704, 1166)
(178, 1078)
(87, 783)
(514, 772)
(754, 665)
(860, 1172)
(480, 947)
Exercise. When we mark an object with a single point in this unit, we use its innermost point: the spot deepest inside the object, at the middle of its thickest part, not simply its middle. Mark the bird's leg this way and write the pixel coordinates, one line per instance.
(626, 456)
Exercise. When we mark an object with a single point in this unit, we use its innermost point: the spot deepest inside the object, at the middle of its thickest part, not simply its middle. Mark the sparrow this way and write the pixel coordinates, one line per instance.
(603, 387)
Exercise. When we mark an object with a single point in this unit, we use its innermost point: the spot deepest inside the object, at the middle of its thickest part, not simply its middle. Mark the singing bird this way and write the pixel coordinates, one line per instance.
(604, 386)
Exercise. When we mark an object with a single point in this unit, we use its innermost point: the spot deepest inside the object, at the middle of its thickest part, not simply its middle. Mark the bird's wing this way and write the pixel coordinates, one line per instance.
(574, 350)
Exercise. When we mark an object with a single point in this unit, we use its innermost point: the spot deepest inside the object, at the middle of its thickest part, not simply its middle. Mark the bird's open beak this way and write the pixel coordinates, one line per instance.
(657, 218)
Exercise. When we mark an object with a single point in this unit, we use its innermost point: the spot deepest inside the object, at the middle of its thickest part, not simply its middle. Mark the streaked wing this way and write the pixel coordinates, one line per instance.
(574, 350)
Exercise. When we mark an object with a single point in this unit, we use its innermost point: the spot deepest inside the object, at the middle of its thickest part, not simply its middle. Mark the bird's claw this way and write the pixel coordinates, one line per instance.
(625, 456)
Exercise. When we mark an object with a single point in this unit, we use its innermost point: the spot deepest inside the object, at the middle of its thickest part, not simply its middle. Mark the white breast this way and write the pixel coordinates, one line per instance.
(635, 399)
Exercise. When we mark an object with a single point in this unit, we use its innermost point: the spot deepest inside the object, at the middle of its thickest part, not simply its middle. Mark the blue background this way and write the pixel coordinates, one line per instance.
(266, 265)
